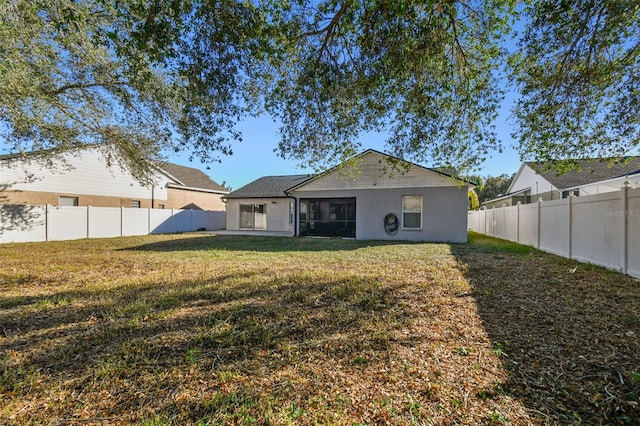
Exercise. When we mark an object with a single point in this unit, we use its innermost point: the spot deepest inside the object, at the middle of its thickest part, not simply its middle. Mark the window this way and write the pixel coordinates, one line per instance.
(412, 212)
(135, 204)
(161, 206)
(290, 212)
(68, 201)
(253, 216)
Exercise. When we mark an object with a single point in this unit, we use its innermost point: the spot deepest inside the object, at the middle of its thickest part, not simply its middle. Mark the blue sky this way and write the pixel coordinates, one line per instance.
(254, 157)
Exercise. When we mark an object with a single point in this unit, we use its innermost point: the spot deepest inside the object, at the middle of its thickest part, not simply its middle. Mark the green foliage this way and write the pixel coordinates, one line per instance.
(494, 186)
(474, 204)
(577, 70)
(144, 78)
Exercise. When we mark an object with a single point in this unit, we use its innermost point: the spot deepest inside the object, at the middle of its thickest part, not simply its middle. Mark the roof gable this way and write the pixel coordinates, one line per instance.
(191, 178)
(374, 169)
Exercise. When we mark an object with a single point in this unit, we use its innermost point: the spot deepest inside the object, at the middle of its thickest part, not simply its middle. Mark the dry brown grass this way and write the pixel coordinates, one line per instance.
(187, 329)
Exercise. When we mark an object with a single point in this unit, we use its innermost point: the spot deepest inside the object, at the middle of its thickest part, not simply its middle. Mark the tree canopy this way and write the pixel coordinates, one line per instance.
(146, 76)
(494, 187)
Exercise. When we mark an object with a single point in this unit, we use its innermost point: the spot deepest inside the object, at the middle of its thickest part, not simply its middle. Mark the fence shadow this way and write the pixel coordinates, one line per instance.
(261, 244)
(570, 341)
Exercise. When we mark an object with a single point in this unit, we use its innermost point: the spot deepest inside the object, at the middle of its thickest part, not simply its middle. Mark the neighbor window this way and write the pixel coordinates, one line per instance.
(135, 204)
(68, 201)
(253, 216)
(412, 211)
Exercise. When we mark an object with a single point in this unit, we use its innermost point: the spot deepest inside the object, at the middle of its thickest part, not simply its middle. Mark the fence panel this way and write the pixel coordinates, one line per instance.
(199, 220)
(598, 229)
(498, 223)
(489, 222)
(67, 223)
(554, 227)
(104, 222)
(22, 223)
(633, 236)
(528, 224)
(511, 223)
(182, 221)
(216, 221)
(161, 221)
(135, 221)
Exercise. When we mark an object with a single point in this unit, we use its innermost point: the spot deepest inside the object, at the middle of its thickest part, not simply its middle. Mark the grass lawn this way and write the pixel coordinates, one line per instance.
(191, 329)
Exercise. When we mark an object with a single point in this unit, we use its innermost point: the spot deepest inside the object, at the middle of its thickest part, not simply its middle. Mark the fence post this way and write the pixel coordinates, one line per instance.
(625, 237)
(46, 222)
(539, 222)
(493, 221)
(484, 219)
(121, 220)
(518, 222)
(88, 224)
(570, 205)
(504, 222)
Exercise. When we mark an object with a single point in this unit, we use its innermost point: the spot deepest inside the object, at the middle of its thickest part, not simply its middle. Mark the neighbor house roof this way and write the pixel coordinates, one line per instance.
(268, 187)
(589, 170)
(191, 178)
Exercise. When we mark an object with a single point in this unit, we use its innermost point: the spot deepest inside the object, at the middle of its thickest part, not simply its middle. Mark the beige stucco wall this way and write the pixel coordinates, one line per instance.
(52, 198)
(178, 199)
(277, 213)
(193, 200)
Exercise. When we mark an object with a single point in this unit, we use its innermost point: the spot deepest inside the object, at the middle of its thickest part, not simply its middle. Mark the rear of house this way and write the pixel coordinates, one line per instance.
(374, 197)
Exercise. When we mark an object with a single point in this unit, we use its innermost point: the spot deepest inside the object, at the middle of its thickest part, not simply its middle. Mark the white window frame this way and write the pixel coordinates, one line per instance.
(291, 213)
(69, 201)
(406, 210)
(254, 213)
(136, 204)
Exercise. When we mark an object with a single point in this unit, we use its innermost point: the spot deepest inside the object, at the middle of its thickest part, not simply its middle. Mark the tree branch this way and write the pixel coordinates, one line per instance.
(66, 87)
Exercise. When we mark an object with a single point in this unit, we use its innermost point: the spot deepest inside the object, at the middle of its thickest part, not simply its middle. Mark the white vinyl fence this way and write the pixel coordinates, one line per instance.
(602, 229)
(23, 223)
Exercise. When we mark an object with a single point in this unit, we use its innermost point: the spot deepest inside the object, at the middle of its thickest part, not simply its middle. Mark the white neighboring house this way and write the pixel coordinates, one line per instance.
(534, 181)
(87, 180)
(374, 201)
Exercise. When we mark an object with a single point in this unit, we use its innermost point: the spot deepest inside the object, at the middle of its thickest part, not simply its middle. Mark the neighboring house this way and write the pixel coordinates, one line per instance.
(87, 180)
(368, 201)
(534, 181)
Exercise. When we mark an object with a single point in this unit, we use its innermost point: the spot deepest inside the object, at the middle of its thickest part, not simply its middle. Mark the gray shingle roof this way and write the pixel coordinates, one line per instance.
(589, 171)
(192, 178)
(268, 187)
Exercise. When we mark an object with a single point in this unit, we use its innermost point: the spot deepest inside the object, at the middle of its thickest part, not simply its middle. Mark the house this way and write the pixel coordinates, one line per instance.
(534, 180)
(373, 196)
(85, 178)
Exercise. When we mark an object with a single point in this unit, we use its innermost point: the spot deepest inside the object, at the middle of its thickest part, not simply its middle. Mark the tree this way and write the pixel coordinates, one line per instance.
(135, 77)
(578, 71)
(474, 203)
(146, 76)
(494, 186)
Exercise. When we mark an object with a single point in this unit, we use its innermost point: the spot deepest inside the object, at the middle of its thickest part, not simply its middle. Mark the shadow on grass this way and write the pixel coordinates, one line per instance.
(569, 333)
(140, 345)
(260, 244)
